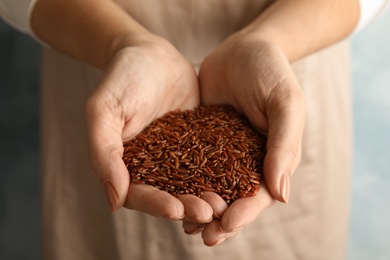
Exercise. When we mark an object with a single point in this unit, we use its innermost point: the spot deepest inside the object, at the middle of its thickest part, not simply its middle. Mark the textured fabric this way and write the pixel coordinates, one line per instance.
(77, 222)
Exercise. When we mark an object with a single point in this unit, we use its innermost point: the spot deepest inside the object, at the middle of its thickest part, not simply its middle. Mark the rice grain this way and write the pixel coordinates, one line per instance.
(211, 148)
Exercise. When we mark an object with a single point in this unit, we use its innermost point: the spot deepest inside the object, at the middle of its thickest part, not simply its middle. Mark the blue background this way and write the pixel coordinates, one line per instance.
(19, 142)
(370, 224)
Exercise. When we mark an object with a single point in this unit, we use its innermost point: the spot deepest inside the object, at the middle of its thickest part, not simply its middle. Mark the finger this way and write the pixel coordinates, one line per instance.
(196, 209)
(191, 228)
(104, 126)
(213, 235)
(216, 202)
(150, 200)
(286, 116)
(239, 214)
(244, 211)
(218, 206)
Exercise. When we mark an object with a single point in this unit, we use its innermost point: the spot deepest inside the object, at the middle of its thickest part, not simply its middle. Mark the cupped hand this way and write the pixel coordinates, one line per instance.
(141, 84)
(255, 77)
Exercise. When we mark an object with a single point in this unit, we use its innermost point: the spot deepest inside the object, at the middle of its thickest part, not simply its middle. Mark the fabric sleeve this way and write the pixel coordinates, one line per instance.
(17, 13)
(370, 10)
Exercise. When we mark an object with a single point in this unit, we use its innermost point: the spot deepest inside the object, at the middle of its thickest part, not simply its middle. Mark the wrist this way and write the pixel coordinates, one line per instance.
(144, 42)
(126, 40)
(269, 38)
(255, 41)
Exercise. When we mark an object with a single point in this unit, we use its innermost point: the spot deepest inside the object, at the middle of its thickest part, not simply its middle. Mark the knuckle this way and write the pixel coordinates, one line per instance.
(295, 153)
(94, 164)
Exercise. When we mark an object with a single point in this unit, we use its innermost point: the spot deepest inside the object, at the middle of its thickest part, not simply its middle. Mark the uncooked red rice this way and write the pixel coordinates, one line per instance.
(211, 148)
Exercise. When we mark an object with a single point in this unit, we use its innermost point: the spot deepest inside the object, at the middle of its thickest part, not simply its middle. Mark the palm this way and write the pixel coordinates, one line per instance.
(141, 84)
(257, 80)
(148, 84)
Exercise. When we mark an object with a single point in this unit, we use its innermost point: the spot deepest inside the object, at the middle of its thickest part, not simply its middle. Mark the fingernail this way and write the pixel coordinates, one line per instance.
(220, 241)
(111, 195)
(194, 231)
(173, 217)
(236, 230)
(285, 187)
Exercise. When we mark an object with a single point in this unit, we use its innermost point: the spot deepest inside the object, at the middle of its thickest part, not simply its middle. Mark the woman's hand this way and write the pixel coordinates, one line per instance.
(255, 77)
(141, 84)
(144, 78)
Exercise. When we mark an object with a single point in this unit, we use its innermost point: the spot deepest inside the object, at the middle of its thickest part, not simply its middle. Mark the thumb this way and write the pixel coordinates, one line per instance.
(106, 151)
(112, 173)
(286, 116)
